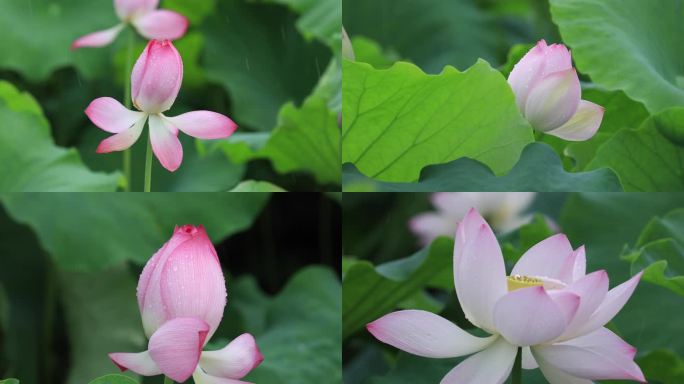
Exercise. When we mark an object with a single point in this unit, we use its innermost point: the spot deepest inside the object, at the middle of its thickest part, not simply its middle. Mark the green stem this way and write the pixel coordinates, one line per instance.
(167, 380)
(516, 375)
(148, 166)
(127, 103)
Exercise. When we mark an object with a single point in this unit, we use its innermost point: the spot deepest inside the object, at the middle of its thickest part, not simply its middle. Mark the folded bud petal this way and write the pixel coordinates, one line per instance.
(97, 39)
(156, 77)
(124, 140)
(127, 9)
(165, 144)
(539, 62)
(553, 100)
(153, 307)
(203, 124)
(583, 124)
(526, 72)
(176, 346)
(192, 283)
(111, 116)
(161, 25)
(140, 363)
(235, 360)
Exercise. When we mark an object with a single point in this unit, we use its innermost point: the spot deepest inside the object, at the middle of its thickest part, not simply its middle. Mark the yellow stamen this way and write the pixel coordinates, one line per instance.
(519, 281)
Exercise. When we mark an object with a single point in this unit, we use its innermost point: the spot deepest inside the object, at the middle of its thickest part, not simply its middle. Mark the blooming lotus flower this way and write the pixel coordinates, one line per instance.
(548, 93)
(504, 210)
(181, 295)
(143, 15)
(548, 306)
(155, 82)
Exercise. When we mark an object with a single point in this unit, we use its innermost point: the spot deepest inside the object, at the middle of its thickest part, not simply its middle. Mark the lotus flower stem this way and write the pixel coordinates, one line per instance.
(127, 102)
(167, 380)
(148, 166)
(516, 375)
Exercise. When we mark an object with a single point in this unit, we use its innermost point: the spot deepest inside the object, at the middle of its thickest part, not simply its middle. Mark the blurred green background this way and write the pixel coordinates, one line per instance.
(69, 265)
(385, 269)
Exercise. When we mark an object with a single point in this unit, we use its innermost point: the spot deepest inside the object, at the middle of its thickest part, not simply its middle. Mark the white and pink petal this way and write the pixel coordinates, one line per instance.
(203, 124)
(235, 360)
(529, 316)
(583, 125)
(123, 140)
(615, 299)
(176, 346)
(425, 334)
(140, 363)
(201, 377)
(553, 100)
(491, 366)
(479, 272)
(111, 116)
(97, 39)
(600, 355)
(165, 144)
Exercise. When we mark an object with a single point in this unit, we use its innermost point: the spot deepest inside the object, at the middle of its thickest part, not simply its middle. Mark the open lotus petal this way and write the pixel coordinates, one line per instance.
(426, 334)
(161, 25)
(201, 377)
(98, 39)
(111, 116)
(142, 14)
(123, 140)
(493, 365)
(203, 124)
(235, 360)
(140, 363)
(165, 144)
(176, 346)
(600, 355)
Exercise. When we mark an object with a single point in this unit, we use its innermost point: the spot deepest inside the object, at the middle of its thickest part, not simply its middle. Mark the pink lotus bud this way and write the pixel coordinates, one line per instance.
(182, 295)
(183, 279)
(548, 93)
(156, 77)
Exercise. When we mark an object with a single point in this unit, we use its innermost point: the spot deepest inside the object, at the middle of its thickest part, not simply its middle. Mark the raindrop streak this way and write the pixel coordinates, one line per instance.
(247, 63)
